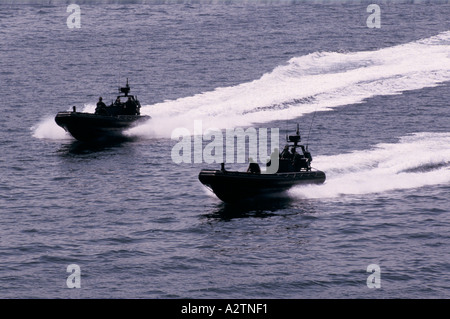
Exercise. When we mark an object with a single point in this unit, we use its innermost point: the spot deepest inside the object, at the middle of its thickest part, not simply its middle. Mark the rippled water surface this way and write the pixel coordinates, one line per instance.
(141, 226)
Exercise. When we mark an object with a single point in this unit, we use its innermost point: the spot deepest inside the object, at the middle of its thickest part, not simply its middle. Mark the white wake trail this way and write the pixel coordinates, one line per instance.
(417, 160)
(318, 81)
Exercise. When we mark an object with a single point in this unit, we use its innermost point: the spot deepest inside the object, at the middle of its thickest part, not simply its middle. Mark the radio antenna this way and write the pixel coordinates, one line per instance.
(310, 127)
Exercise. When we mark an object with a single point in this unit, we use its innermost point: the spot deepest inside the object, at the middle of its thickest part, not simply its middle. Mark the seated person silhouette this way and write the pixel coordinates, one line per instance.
(254, 168)
(101, 107)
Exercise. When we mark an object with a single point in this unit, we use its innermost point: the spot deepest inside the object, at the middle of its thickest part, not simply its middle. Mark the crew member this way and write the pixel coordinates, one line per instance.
(130, 107)
(286, 154)
(101, 107)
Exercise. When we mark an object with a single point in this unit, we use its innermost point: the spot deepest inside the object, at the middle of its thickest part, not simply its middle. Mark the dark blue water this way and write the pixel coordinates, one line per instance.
(141, 226)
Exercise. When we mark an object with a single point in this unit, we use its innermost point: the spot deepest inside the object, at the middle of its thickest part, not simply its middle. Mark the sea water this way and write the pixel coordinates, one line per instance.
(372, 104)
